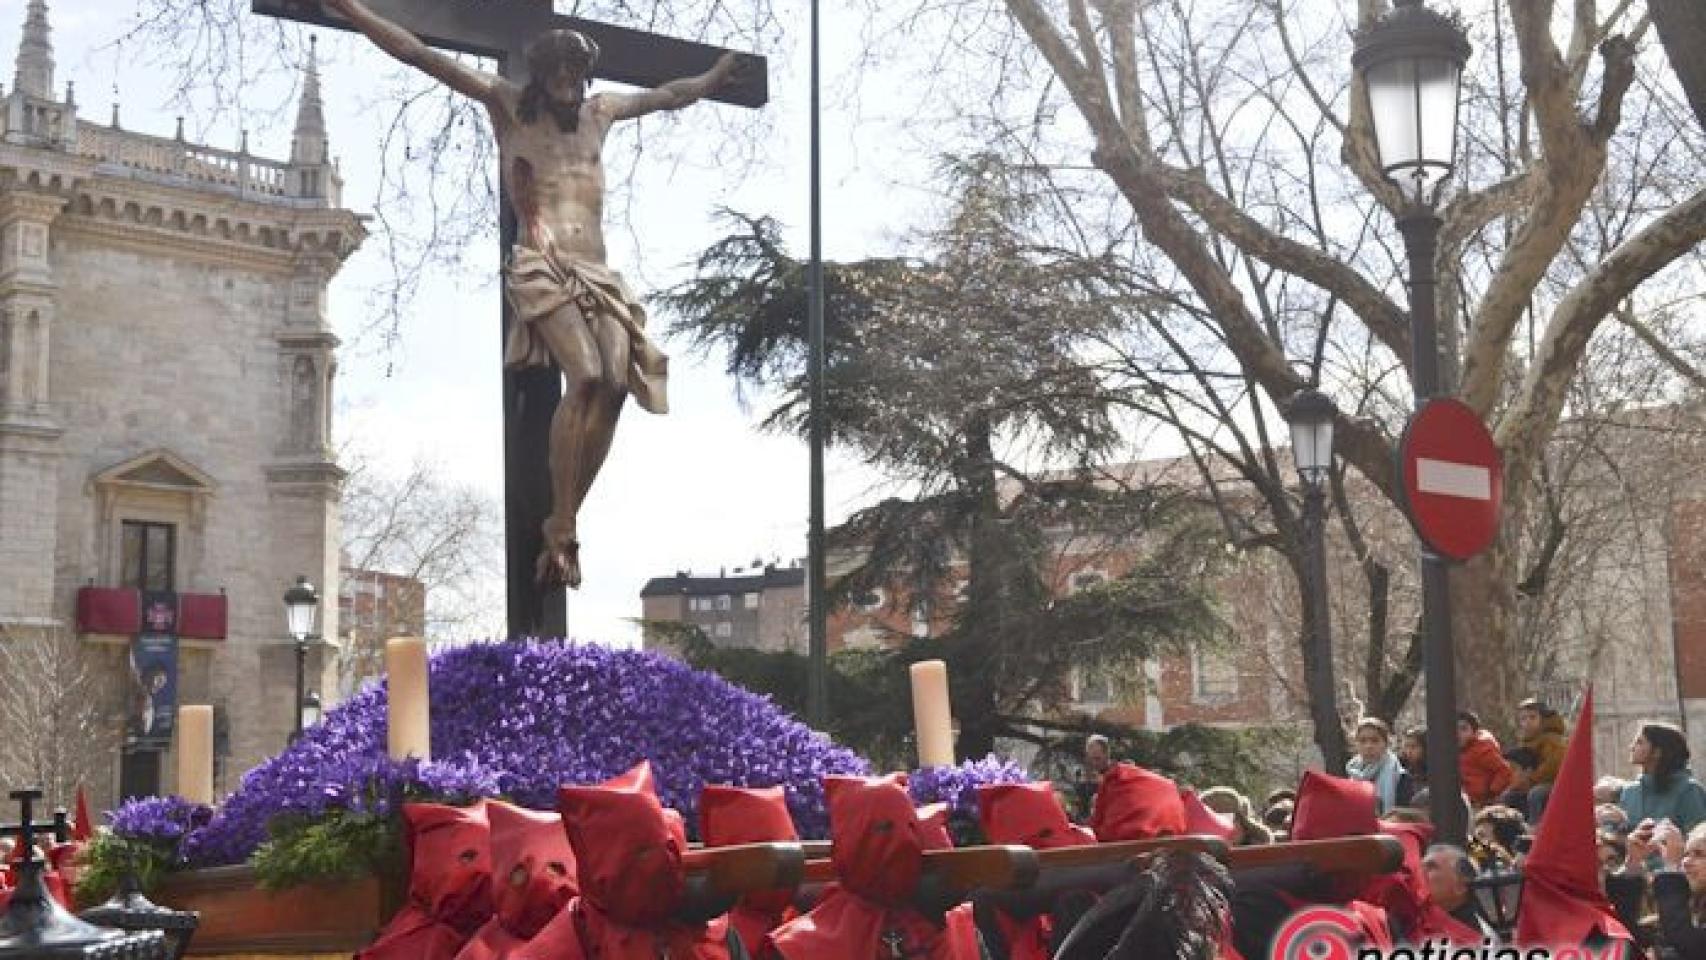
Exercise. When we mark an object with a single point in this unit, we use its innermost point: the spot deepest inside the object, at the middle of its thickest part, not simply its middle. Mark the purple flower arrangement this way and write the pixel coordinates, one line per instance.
(159, 820)
(517, 720)
(957, 787)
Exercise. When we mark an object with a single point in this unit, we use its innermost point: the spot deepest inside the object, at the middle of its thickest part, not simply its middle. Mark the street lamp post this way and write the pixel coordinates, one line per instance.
(1310, 415)
(1411, 63)
(300, 605)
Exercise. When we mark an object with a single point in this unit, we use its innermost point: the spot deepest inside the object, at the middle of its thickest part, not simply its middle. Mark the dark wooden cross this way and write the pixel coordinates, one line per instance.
(500, 30)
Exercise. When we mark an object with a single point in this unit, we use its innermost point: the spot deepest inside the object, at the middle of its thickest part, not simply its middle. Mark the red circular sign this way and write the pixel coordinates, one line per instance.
(1453, 478)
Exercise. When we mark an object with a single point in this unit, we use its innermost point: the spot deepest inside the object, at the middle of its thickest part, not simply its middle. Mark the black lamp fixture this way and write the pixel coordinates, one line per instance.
(301, 602)
(36, 927)
(1497, 889)
(1310, 415)
(1412, 63)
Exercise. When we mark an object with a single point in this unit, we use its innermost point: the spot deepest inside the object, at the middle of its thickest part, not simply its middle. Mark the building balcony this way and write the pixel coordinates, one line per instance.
(118, 611)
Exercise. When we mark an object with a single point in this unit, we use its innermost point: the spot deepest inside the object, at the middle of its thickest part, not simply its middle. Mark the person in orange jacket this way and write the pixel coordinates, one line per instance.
(1481, 764)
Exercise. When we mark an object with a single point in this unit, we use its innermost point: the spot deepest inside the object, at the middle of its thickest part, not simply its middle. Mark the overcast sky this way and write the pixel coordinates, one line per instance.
(699, 488)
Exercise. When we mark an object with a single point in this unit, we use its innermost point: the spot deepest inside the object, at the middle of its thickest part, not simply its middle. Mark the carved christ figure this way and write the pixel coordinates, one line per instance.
(571, 310)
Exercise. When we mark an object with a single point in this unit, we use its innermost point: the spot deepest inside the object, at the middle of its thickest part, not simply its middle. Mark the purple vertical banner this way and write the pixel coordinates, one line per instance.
(154, 671)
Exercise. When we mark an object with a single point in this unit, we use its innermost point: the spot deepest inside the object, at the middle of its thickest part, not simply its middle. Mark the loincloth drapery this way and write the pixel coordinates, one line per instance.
(539, 284)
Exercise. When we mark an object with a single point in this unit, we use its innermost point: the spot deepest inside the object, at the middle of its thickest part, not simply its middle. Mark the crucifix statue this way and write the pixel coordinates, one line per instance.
(569, 316)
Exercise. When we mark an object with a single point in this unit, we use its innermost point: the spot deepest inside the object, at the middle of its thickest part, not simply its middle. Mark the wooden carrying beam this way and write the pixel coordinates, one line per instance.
(719, 876)
(1030, 885)
(1095, 868)
(1346, 856)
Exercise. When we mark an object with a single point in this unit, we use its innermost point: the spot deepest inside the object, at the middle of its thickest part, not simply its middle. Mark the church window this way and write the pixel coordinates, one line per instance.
(148, 555)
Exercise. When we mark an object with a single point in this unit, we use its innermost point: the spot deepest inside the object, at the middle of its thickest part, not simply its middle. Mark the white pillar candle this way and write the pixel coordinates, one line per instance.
(195, 753)
(409, 715)
(931, 714)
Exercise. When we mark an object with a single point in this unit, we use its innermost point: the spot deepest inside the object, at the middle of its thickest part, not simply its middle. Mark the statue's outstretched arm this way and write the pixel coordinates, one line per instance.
(408, 48)
(675, 94)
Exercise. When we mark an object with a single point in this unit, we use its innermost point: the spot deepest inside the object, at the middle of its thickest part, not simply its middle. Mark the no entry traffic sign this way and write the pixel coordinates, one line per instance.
(1453, 479)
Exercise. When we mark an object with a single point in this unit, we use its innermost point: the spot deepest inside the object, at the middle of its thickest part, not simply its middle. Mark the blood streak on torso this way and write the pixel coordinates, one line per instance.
(556, 178)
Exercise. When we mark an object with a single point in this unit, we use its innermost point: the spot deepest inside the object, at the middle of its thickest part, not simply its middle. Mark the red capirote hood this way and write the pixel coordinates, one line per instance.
(450, 862)
(533, 869)
(1028, 814)
(627, 848)
(877, 844)
(1331, 807)
(1135, 804)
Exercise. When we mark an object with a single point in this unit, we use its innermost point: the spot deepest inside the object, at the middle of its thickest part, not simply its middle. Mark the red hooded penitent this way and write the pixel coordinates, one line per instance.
(1028, 814)
(1562, 902)
(1134, 804)
(628, 851)
(450, 884)
(1330, 807)
(878, 850)
(533, 878)
(729, 816)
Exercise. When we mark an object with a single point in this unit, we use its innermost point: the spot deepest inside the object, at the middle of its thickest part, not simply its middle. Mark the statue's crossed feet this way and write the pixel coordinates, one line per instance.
(559, 566)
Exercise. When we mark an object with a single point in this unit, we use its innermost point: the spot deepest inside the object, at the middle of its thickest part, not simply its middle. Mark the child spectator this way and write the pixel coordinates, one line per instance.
(1540, 729)
(1481, 765)
(1376, 763)
(1413, 754)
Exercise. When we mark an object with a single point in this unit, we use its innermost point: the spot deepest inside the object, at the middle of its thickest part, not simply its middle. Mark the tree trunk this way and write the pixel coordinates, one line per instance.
(1682, 30)
(975, 670)
(1483, 634)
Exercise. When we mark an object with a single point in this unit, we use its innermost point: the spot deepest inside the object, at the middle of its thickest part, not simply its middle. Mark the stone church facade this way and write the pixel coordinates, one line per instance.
(166, 372)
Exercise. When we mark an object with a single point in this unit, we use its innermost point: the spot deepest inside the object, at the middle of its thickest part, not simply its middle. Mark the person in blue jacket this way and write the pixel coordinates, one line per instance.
(1667, 789)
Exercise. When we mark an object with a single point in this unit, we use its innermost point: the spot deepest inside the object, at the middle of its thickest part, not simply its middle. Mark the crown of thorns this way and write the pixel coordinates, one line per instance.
(570, 47)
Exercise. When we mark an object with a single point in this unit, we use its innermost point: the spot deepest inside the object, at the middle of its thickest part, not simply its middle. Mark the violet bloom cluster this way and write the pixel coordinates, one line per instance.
(519, 719)
(159, 820)
(957, 787)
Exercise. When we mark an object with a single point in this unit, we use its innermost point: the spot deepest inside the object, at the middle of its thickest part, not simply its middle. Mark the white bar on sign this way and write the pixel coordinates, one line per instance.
(1454, 479)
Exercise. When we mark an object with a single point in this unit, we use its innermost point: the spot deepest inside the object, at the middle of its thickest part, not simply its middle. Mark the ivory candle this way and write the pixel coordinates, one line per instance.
(409, 716)
(931, 714)
(195, 753)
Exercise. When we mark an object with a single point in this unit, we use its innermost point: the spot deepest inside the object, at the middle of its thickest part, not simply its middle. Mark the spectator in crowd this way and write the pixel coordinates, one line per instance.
(1098, 760)
(1229, 802)
(1413, 754)
(1447, 870)
(1667, 789)
(1612, 852)
(1680, 895)
(1098, 756)
(1652, 845)
(1500, 826)
(1481, 765)
(1609, 789)
(1540, 729)
(1611, 818)
(1376, 763)
(1523, 762)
